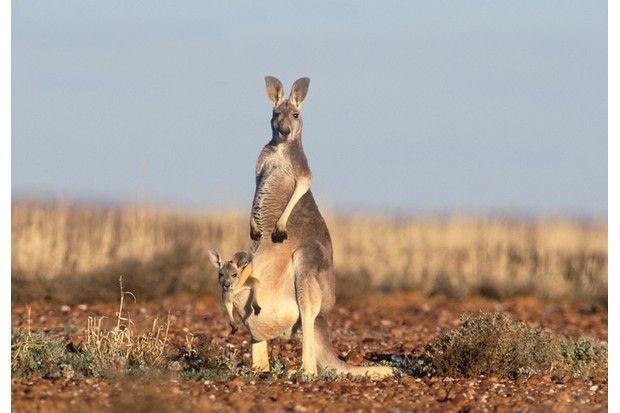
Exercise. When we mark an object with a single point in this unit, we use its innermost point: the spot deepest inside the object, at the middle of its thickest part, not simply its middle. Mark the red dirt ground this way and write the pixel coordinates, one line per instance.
(384, 324)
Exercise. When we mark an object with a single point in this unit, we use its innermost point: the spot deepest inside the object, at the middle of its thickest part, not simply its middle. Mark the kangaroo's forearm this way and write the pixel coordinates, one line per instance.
(252, 282)
(302, 185)
(254, 285)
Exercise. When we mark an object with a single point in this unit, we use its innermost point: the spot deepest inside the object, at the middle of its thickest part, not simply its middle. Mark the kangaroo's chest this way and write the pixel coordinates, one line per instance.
(275, 185)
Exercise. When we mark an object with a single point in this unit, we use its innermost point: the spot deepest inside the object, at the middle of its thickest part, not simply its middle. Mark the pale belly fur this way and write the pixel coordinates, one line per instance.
(272, 262)
(276, 296)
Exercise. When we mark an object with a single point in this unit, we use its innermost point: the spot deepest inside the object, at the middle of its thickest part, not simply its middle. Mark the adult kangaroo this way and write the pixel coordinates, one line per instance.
(292, 249)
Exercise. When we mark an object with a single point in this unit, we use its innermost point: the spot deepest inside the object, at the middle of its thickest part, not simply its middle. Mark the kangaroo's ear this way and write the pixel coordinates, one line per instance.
(275, 90)
(241, 259)
(214, 257)
(299, 91)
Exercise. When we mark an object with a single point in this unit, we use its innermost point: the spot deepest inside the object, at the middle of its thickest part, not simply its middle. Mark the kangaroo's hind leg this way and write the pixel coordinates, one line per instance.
(308, 262)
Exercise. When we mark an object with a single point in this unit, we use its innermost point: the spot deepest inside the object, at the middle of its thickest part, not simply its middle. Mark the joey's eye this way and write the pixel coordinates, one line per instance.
(235, 275)
(296, 115)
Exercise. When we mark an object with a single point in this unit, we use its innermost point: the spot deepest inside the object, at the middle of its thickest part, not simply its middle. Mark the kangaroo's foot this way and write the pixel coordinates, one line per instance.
(260, 356)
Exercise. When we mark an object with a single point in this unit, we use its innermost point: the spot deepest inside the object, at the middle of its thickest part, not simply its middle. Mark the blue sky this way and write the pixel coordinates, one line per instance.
(425, 107)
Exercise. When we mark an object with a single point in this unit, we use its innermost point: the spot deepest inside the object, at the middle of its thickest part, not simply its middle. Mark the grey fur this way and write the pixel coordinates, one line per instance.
(229, 275)
(293, 255)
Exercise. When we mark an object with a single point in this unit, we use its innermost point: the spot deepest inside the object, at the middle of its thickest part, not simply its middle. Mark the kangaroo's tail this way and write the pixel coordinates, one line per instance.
(327, 359)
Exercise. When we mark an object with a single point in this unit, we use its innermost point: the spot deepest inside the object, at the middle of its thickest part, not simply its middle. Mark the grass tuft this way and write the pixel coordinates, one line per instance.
(103, 352)
(199, 360)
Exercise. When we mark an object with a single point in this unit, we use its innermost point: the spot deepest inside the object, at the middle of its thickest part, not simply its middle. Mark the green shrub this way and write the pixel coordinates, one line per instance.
(48, 357)
(583, 357)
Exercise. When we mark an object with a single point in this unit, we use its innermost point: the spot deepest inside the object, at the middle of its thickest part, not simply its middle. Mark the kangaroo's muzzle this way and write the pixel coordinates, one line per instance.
(284, 130)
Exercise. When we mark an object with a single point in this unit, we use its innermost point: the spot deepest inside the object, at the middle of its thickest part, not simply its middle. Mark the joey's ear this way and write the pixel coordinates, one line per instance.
(299, 91)
(275, 90)
(214, 257)
(241, 259)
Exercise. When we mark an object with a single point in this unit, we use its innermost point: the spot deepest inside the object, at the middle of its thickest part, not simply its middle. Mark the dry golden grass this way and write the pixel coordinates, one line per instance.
(103, 351)
(57, 244)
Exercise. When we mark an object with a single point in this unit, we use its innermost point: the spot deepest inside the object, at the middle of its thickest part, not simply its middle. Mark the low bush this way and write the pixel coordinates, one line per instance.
(48, 357)
(493, 344)
(102, 352)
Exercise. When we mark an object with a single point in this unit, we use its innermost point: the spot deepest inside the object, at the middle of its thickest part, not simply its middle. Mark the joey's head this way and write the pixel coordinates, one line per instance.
(228, 272)
(286, 118)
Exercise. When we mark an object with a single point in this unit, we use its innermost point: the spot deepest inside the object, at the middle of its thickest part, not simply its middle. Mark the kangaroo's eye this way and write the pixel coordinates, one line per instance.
(276, 113)
(296, 115)
(235, 275)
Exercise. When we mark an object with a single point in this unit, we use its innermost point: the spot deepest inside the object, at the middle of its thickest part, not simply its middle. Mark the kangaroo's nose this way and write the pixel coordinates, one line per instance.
(284, 130)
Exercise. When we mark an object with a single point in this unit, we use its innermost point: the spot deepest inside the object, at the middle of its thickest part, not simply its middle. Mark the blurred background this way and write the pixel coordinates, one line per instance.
(457, 148)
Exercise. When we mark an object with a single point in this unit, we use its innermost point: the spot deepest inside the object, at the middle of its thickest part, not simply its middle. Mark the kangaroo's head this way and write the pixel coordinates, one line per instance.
(228, 273)
(286, 119)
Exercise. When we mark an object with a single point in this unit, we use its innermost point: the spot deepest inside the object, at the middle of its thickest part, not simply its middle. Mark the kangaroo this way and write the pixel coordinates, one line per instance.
(292, 248)
(231, 279)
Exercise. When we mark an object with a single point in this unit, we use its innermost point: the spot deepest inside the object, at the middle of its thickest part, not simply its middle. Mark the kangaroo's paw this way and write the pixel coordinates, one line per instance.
(256, 309)
(255, 233)
(279, 235)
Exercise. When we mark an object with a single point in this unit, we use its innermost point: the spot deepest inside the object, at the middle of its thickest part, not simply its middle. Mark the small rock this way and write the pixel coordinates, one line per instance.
(459, 399)
(355, 357)
(236, 382)
(67, 372)
(397, 358)
(65, 308)
(560, 379)
(564, 396)
(175, 366)
(503, 408)
(441, 394)
(408, 380)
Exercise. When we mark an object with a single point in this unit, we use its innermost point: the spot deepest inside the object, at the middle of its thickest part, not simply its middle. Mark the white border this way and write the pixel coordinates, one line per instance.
(5, 206)
(613, 204)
